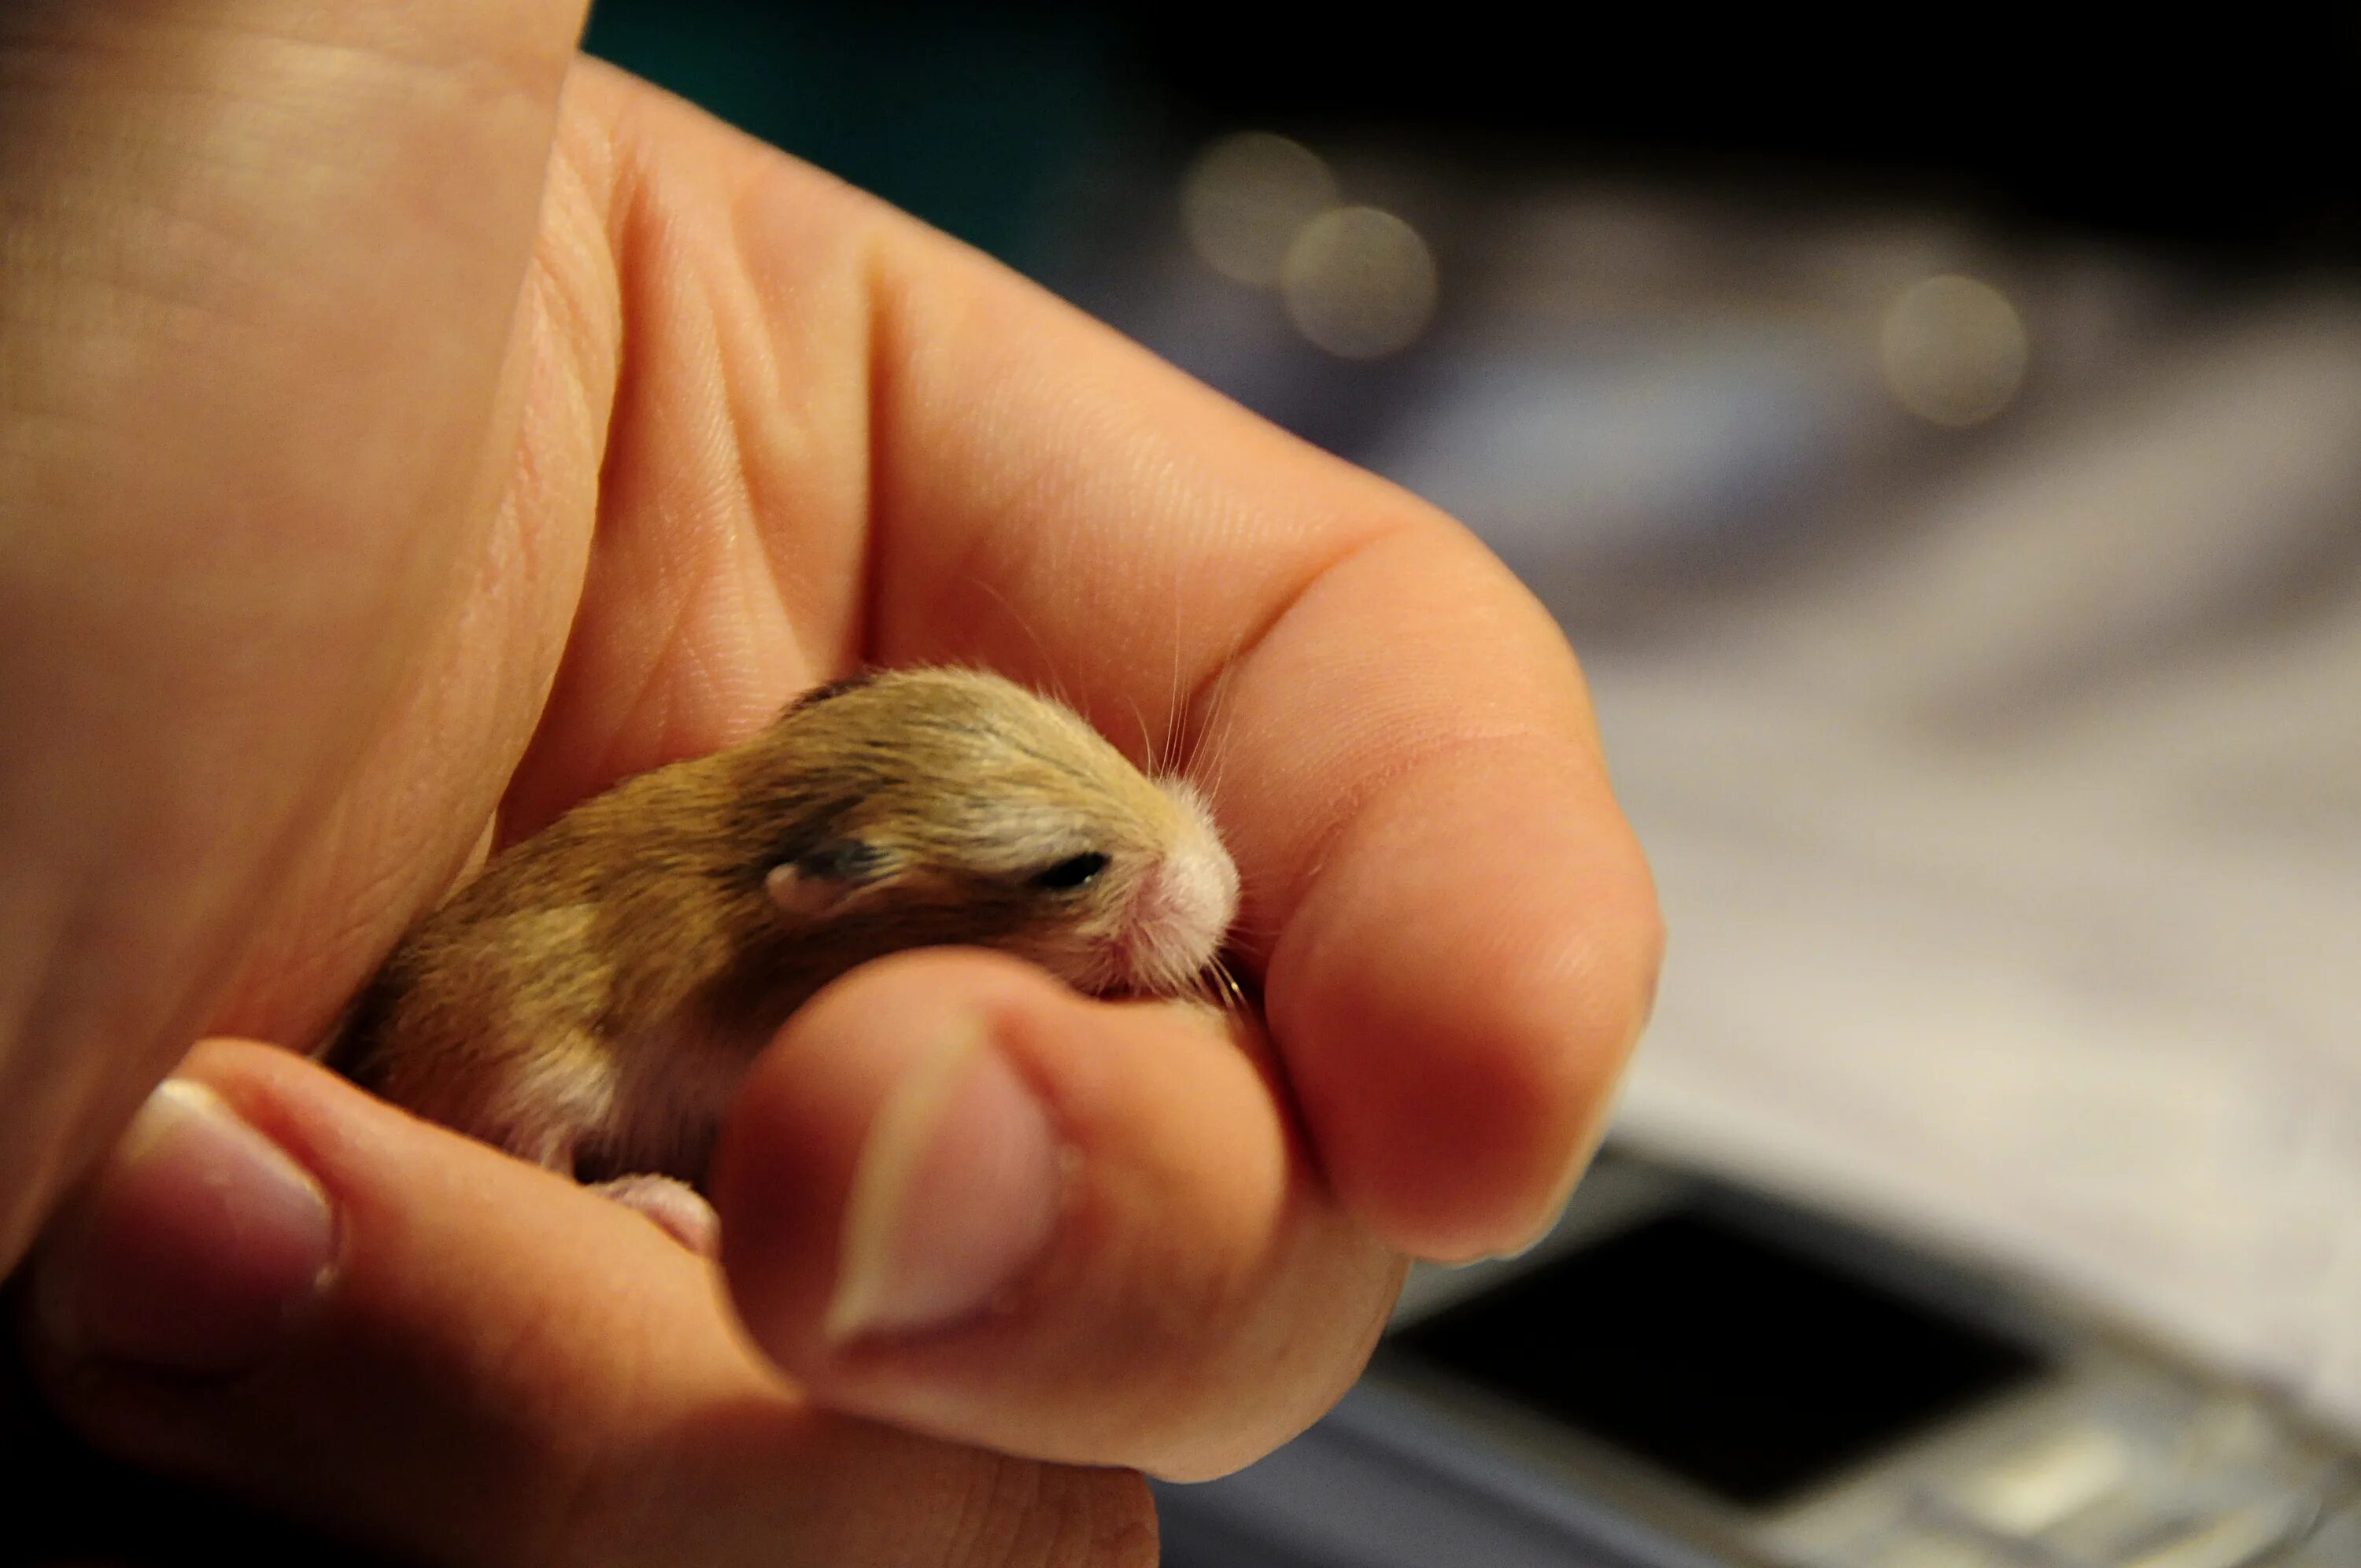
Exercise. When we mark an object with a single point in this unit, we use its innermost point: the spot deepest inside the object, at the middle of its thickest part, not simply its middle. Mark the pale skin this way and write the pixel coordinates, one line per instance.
(407, 429)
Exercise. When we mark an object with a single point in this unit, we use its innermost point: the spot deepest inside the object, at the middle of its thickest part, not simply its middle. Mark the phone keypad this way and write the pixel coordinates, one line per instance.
(2147, 1528)
(2335, 1544)
(2248, 1537)
(2235, 1539)
(1921, 1549)
(2213, 1484)
(2041, 1485)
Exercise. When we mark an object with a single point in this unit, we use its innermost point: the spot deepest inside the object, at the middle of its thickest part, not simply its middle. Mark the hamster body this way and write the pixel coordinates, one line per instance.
(591, 1000)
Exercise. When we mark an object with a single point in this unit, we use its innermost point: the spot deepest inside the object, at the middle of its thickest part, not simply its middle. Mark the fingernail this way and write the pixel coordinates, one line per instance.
(200, 1243)
(955, 1191)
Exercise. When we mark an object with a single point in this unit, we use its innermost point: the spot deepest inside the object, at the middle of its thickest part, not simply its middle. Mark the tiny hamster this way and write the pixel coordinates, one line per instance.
(591, 1000)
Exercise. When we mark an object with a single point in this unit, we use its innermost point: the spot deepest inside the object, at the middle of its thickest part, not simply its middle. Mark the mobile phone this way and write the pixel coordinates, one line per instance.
(1693, 1374)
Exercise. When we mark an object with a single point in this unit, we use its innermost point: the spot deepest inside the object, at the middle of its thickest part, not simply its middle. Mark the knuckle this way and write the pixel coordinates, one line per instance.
(1021, 1514)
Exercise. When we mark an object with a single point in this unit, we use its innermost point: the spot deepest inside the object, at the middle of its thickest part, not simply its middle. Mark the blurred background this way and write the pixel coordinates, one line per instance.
(1943, 446)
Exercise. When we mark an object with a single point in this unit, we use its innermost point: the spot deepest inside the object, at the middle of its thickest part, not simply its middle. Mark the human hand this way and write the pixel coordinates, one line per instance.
(400, 575)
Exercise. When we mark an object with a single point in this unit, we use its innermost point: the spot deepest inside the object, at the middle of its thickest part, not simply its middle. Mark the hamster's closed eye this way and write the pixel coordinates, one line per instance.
(1074, 871)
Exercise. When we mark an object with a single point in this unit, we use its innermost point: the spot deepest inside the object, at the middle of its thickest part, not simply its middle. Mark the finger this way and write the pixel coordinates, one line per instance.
(921, 457)
(956, 1197)
(1457, 933)
(262, 262)
(287, 1290)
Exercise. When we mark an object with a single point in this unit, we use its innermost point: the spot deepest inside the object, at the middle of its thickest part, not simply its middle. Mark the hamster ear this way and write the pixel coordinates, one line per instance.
(820, 879)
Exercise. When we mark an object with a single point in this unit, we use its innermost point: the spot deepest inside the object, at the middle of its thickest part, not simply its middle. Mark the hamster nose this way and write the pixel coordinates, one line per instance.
(1184, 906)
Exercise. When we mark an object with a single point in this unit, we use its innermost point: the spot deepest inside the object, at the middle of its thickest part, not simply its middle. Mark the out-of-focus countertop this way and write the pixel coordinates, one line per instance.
(2002, 779)
(2012, 868)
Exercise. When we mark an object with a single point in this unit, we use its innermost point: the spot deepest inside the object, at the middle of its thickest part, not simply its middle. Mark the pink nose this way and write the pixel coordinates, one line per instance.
(1184, 905)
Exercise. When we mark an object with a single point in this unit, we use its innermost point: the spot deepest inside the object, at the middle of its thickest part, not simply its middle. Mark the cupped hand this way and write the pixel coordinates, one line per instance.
(402, 452)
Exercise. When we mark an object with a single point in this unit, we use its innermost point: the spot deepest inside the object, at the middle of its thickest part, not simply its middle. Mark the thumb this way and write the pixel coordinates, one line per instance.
(284, 1289)
(958, 1197)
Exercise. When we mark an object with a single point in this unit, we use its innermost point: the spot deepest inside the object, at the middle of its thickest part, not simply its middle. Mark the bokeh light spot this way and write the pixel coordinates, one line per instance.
(1245, 198)
(1359, 283)
(1953, 350)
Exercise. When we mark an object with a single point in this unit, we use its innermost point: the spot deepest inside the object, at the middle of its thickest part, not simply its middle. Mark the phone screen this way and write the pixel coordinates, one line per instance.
(1748, 1370)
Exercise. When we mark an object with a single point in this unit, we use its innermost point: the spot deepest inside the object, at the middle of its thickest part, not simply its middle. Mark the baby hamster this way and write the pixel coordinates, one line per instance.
(591, 1000)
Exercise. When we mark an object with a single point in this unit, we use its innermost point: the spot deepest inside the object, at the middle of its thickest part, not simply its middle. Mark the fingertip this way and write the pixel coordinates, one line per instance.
(442, 1356)
(1455, 1071)
(1170, 1288)
(886, 1169)
(194, 1252)
(507, 1368)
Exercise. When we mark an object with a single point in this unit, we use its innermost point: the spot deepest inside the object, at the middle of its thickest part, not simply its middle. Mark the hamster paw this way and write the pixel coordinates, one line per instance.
(676, 1208)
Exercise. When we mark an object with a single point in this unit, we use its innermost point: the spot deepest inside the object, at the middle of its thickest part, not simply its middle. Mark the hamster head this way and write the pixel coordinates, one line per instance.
(920, 808)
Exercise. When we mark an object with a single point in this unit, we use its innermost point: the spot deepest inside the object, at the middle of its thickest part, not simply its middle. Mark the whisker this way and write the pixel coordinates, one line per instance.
(1213, 735)
(1217, 743)
(1175, 721)
(1053, 679)
(1147, 740)
(1234, 995)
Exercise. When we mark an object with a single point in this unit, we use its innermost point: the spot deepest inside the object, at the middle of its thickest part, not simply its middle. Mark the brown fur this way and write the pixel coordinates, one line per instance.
(591, 999)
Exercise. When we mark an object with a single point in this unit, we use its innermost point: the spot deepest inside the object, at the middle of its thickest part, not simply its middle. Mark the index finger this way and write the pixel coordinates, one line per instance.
(1458, 934)
(1457, 931)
